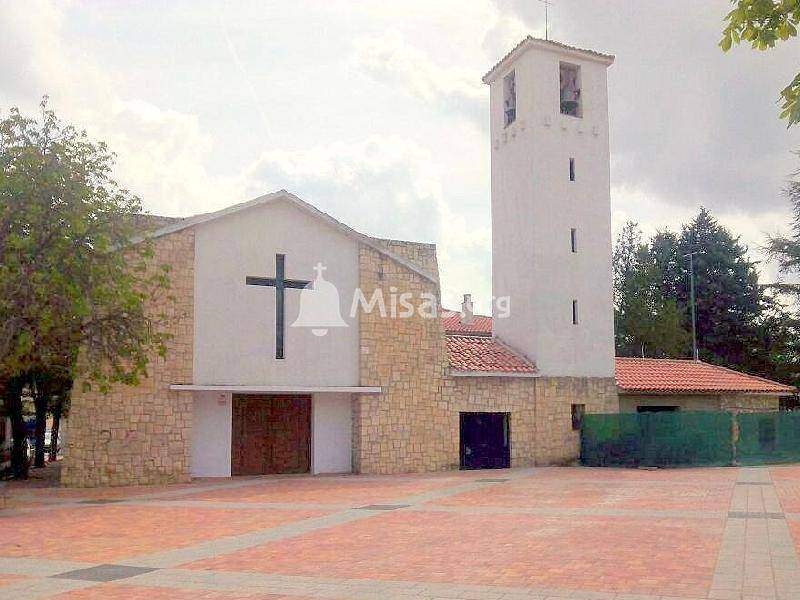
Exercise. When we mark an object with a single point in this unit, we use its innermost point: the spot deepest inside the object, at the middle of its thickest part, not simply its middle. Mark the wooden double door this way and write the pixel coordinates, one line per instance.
(270, 434)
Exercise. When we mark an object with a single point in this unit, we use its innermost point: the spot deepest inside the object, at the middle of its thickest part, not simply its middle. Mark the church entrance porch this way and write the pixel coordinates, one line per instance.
(270, 434)
(485, 440)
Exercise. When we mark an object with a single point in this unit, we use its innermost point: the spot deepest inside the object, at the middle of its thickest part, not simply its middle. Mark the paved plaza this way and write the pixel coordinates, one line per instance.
(523, 533)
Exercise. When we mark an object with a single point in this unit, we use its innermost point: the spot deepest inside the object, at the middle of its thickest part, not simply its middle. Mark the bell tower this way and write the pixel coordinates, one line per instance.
(551, 207)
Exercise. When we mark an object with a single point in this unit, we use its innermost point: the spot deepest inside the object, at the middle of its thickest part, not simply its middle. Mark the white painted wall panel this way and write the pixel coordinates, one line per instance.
(331, 433)
(211, 435)
(235, 323)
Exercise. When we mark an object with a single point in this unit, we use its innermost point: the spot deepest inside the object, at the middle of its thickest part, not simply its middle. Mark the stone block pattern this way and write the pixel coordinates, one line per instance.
(422, 255)
(400, 429)
(749, 403)
(413, 425)
(741, 402)
(142, 434)
(556, 441)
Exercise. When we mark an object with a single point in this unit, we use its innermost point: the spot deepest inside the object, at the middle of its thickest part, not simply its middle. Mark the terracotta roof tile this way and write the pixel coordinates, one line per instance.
(472, 348)
(451, 322)
(487, 354)
(672, 375)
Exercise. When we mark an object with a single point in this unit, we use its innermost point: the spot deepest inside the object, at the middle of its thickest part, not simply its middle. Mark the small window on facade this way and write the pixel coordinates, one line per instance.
(574, 312)
(570, 90)
(573, 239)
(572, 169)
(577, 416)
(509, 99)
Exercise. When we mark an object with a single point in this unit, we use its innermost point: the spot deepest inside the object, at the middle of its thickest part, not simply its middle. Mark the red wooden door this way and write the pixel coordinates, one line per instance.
(271, 434)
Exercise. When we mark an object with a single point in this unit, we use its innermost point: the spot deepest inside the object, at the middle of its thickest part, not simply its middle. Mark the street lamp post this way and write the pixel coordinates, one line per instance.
(695, 353)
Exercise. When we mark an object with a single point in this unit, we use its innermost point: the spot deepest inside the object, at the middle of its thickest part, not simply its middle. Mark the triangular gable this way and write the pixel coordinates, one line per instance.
(283, 195)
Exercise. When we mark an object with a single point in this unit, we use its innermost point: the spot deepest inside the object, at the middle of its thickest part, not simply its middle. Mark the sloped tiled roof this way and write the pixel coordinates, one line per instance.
(472, 348)
(659, 375)
(480, 325)
(475, 353)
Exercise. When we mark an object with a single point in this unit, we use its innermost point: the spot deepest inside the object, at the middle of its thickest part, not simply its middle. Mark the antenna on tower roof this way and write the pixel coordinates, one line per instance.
(547, 5)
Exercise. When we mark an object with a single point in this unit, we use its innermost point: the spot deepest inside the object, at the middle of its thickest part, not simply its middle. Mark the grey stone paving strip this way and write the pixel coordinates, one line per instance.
(50, 503)
(39, 567)
(225, 545)
(33, 589)
(757, 557)
(239, 505)
(372, 589)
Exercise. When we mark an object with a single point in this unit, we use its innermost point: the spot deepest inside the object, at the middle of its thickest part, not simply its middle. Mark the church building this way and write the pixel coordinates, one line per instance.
(299, 345)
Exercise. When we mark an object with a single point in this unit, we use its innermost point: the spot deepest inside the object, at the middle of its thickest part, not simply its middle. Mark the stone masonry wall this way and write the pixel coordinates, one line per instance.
(749, 403)
(422, 255)
(142, 434)
(414, 424)
(702, 402)
(556, 441)
(399, 429)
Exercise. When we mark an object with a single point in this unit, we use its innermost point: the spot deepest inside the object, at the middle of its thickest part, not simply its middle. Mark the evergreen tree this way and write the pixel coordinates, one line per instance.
(729, 299)
(648, 323)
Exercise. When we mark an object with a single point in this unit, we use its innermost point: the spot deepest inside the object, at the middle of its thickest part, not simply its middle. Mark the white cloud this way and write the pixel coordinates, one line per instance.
(161, 152)
(387, 187)
(390, 59)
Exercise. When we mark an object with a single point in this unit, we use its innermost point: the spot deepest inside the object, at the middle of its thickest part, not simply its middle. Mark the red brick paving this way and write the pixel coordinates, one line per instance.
(787, 485)
(611, 554)
(630, 554)
(536, 493)
(107, 533)
(610, 475)
(116, 591)
(339, 490)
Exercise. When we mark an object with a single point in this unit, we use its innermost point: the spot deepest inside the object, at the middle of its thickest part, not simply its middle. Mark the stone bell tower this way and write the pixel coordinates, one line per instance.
(551, 206)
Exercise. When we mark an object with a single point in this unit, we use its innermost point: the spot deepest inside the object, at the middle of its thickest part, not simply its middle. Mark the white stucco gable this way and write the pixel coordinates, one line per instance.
(311, 210)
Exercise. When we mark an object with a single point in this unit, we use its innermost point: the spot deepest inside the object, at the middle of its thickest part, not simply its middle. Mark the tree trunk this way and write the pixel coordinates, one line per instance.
(13, 401)
(40, 402)
(55, 430)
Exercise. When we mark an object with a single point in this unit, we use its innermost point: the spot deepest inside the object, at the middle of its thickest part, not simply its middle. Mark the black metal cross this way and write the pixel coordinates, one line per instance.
(280, 283)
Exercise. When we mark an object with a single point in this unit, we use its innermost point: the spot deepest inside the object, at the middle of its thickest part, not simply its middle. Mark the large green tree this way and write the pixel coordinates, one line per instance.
(764, 23)
(739, 324)
(785, 249)
(73, 288)
(729, 299)
(647, 322)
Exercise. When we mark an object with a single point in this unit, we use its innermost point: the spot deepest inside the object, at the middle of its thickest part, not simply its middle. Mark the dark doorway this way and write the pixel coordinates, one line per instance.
(270, 434)
(485, 440)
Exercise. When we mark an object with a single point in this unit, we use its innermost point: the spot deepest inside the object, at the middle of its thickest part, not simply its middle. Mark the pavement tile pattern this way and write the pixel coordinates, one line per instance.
(566, 533)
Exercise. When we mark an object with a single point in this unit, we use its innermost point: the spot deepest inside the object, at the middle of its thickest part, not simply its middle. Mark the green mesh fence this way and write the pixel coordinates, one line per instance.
(657, 439)
(768, 438)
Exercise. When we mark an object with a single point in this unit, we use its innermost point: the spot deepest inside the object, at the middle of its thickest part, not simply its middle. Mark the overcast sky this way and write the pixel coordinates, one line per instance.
(375, 112)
